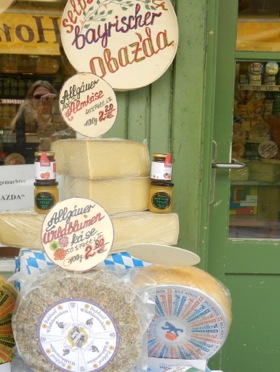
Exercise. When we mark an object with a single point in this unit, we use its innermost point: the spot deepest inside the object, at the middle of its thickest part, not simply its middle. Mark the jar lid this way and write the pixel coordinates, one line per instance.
(48, 153)
(158, 155)
(162, 183)
(46, 183)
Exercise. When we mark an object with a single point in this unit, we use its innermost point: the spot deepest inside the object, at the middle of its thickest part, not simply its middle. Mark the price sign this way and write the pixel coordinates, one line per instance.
(88, 104)
(77, 234)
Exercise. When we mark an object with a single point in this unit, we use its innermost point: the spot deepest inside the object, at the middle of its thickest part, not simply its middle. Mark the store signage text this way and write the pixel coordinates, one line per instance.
(27, 34)
(123, 43)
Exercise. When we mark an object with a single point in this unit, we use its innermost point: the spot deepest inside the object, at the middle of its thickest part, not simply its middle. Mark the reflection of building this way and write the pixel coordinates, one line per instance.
(30, 50)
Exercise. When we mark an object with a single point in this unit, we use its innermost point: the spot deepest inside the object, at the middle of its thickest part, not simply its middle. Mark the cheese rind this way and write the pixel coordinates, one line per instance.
(115, 195)
(101, 158)
(22, 229)
(190, 276)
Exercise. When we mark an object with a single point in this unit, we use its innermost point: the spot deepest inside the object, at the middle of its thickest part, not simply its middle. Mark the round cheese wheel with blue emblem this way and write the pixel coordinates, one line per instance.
(192, 311)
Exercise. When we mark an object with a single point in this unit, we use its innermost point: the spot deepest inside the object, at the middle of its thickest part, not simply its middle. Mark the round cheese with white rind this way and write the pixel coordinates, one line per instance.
(192, 312)
(79, 322)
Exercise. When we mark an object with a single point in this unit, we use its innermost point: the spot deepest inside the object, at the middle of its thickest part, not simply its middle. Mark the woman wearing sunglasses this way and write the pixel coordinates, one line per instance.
(39, 114)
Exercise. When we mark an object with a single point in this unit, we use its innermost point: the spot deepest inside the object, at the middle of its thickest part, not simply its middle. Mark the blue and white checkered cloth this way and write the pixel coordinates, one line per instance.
(30, 261)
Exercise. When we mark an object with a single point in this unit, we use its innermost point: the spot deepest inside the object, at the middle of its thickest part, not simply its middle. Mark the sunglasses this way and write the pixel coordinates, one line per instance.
(38, 96)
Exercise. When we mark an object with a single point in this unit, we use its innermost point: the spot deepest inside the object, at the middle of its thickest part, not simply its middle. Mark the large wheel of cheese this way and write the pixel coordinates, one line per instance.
(8, 296)
(192, 312)
(79, 322)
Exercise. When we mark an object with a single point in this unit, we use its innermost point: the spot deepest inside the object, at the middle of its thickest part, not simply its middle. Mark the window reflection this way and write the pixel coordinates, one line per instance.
(255, 191)
(258, 25)
(30, 61)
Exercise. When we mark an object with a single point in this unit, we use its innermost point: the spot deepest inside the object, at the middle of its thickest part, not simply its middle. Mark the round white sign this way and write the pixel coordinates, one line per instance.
(129, 43)
(78, 334)
(77, 234)
(88, 104)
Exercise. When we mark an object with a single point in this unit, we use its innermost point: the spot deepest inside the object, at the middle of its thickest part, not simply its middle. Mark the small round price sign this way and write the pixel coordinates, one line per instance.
(77, 234)
(88, 104)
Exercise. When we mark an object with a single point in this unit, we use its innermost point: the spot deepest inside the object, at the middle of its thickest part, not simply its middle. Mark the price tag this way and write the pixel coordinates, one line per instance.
(77, 234)
(88, 104)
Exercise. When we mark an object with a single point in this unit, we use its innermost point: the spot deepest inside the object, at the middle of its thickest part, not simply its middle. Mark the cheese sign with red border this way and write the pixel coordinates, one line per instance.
(129, 43)
(77, 234)
(88, 104)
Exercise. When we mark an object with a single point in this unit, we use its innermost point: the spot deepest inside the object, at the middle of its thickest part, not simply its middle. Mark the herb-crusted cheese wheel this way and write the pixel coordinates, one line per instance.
(23, 229)
(116, 195)
(192, 312)
(80, 322)
(8, 296)
(101, 158)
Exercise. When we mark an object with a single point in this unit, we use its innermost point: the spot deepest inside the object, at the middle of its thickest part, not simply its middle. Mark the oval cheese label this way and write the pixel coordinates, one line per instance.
(188, 324)
(88, 104)
(78, 335)
(77, 234)
(268, 149)
(128, 43)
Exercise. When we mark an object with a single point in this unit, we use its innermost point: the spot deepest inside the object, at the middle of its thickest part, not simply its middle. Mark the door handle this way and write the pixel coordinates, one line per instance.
(233, 165)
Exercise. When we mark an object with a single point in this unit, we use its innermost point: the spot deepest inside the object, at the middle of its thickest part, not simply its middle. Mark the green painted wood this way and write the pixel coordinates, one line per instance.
(169, 114)
(249, 268)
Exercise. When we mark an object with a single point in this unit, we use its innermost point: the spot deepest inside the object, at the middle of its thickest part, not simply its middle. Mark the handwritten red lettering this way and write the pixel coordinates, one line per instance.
(134, 53)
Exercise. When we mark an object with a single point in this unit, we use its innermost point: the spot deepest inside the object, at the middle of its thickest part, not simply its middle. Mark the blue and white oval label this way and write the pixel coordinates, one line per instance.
(188, 324)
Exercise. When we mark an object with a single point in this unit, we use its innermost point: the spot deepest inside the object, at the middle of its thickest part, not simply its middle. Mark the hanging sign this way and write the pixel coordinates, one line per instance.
(77, 234)
(129, 43)
(88, 104)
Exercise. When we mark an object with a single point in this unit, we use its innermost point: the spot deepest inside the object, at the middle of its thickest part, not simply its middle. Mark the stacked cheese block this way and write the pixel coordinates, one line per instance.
(115, 174)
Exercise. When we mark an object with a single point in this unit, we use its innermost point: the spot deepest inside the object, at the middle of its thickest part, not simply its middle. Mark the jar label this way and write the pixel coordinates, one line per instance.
(161, 200)
(161, 171)
(45, 171)
(44, 201)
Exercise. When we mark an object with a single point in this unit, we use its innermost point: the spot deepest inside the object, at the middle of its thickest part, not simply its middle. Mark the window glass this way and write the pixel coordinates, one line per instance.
(258, 25)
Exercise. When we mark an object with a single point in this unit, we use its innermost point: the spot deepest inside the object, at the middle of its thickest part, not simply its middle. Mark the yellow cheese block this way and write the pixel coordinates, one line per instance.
(115, 195)
(23, 229)
(101, 158)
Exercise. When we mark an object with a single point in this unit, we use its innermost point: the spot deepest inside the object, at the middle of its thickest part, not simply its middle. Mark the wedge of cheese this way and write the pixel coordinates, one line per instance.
(101, 158)
(22, 229)
(115, 195)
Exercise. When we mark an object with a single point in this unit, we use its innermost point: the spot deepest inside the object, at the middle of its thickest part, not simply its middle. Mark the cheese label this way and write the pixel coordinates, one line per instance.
(88, 104)
(128, 43)
(188, 324)
(78, 335)
(77, 234)
(268, 149)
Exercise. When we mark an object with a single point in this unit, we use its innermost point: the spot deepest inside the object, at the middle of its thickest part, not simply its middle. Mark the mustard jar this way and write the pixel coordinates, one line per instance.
(46, 195)
(161, 197)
